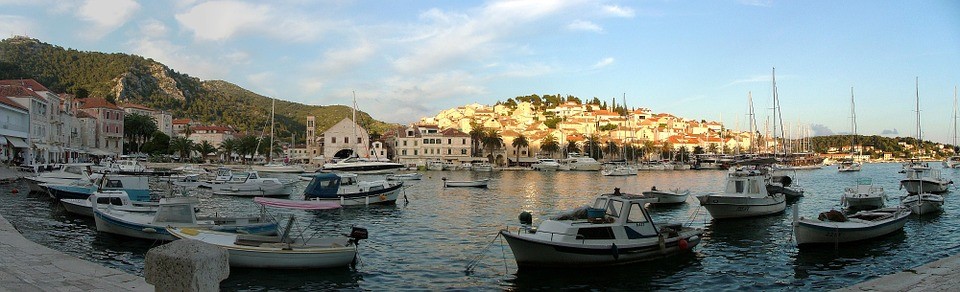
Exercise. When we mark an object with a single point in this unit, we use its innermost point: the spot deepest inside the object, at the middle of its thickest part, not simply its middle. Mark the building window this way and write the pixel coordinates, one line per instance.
(449, 141)
(346, 140)
(449, 151)
(404, 142)
(359, 140)
(414, 151)
(333, 140)
(463, 142)
(463, 151)
(404, 152)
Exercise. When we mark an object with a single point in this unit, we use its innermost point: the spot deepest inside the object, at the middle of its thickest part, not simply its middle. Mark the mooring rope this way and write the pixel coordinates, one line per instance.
(473, 263)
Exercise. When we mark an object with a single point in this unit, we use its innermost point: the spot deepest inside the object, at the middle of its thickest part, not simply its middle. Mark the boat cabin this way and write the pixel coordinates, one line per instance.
(619, 211)
(747, 183)
(177, 210)
(327, 185)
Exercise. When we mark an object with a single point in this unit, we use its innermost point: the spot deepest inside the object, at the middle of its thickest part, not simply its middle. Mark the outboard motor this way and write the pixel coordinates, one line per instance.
(357, 234)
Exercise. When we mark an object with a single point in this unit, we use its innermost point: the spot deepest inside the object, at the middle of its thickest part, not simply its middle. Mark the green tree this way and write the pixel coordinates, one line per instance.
(476, 138)
(228, 147)
(137, 129)
(518, 143)
(492, 140)
(550, 145)
(158, 144)
(204, 148)
(612, 149)
(183, 146)
(572, 147)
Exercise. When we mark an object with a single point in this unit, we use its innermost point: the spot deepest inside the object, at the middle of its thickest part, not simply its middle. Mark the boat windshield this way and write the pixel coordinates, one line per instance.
(601, 203)
(614, 208)
(636, 213)
(180, 213)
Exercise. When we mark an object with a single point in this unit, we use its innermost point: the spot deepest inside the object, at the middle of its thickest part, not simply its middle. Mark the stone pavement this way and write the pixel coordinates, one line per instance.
(940, 275)
(28, 266)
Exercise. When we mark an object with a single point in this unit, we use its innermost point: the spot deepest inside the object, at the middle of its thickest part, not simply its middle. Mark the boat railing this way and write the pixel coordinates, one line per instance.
(552, 234)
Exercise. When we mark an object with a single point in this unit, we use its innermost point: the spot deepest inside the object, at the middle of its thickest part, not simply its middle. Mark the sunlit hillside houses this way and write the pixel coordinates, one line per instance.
(578, 123)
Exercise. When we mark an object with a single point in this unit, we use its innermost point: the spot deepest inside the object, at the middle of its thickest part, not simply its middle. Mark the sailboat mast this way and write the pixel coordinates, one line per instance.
(355, 136)
(853, 123)
(954, 116)
(753, 123)
(273, 111)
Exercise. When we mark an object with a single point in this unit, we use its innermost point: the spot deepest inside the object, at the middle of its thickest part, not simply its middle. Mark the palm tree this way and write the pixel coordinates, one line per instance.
(204, 148)
(592, 145)
(138, 129)
(648, 146)
(247, 146)
(572, 147)
(181, 145)
(520, 142)
(492, 140)
(228, 147)
(549, 144)
(612, 149)
(476, 136)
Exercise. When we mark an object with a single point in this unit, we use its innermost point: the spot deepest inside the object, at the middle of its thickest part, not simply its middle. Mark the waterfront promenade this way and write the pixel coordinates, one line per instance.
(940, 275)
(28, 266)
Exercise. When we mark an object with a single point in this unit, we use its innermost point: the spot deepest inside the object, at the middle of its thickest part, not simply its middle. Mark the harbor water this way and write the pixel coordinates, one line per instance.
(428, 239)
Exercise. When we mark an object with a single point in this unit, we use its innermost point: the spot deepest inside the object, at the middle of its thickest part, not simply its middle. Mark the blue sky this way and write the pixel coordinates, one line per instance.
(409, 59)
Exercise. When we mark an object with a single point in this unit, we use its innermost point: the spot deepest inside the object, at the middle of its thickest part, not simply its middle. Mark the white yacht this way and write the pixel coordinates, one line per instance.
(618, 168)
(357, 165)
(546, 164)
(577, 162)
(745, 195)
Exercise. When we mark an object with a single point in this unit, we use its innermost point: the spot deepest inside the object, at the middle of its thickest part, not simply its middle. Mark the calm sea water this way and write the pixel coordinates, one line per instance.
(427, 242)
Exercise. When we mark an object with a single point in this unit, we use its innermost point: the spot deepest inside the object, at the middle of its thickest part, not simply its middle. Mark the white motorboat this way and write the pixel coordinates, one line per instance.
(66, 174)
(220, 176)
(436, 165)
(546, 164)
(923, 204)
(616, 230)
(405, 176)
(252, 185)
(675, 196)
(482, 166)
(952, 162)
(833, 227)
(118, 200)
(745, 195)
(285, 250)
(480, 183)
(125, 166)
(330, 187)
(173, 212)
(864, 195)
(136, 186)
(577, 162)
(277, 167)
(849, 166)
(783, 184)
(357, 165)
(618, 169)
(924, 180)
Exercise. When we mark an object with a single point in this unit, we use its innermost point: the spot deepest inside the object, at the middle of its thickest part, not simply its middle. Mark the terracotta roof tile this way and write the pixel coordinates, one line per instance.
(18, 91)
(181, 121)
(9, 102)
(28, 83)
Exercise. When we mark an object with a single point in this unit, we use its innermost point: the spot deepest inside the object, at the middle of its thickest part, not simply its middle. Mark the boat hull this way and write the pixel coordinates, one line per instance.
(724, 207)
(107, 221)
(667, 197)
(807, 231)
(466, 184)
(381, 197)
(532, 252)
(275, 255)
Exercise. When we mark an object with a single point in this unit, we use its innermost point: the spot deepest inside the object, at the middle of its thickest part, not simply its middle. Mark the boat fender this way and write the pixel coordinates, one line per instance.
(149, 230)
(525, 218)
(683, 244)
(663, 243)
(615, 251)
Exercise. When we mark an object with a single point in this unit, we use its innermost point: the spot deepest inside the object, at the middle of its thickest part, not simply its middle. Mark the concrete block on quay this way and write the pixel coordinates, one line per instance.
(186, 265)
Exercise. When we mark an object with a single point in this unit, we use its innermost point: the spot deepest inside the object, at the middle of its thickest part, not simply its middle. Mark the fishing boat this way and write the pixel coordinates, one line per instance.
(252, 184)
(64, 175)
(922, 179)
(864, 195)
(118, 200)
(330, 187)
(285, 250)
(745, 195)
(833, 227)
(174, 212)
(136, 186)
(480, 183)
(615, 230)
(405, 176)
(923, 203)
(482, 166)
(663, 197)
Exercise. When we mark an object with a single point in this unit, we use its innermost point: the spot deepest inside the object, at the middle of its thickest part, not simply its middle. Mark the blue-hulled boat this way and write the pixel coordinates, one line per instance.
(174, 212)
(136, 186)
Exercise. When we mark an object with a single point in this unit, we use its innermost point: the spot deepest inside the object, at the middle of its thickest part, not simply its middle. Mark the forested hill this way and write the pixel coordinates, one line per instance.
(130, 78)
(823, 144)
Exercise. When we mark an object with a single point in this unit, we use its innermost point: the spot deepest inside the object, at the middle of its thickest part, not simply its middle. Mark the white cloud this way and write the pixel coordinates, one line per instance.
(177, 58)
(760, 3)
(16, 25)
(106, 15)
(265, 82)
(752, 79)
(338, 61)
(221, 20)
(603, 63)
(237, 57)
(618, 11)
(153, 27)
(583, 25)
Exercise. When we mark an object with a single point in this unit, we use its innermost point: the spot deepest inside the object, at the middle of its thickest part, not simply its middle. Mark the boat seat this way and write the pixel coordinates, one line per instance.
(255, 240)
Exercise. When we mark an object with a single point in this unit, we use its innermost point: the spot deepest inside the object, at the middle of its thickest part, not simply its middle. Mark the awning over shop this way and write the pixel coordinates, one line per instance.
(17, 142)
(41, 146)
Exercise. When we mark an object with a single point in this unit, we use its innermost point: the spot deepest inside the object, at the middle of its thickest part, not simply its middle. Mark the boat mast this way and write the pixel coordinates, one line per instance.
(273, 111)
(919, 135)
(853, 123)
(954, 118)
(355, 136)
(753, 123)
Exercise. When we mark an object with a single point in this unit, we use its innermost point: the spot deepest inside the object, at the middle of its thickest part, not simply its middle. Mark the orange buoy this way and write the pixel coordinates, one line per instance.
(683, 244)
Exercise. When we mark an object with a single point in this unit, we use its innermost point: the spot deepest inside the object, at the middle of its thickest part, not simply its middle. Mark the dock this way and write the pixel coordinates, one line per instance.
(28, 266)
(940, 275)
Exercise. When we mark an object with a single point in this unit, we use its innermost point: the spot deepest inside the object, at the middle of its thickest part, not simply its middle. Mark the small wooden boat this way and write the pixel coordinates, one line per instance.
(174, 212)
(405, 176)
(615, 230)
(676, 196)
(833, 227)
(923, 204)
(480, 183)
(284, 250)
(347, 191)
